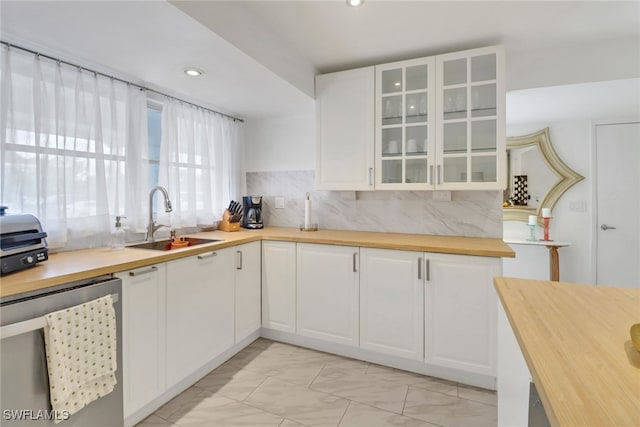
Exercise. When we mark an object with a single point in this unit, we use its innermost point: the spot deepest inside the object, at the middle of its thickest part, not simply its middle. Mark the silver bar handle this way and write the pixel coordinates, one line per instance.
(355, 265)
(239, 267)
(438, 173)
(211, 255)
(428, 270)
(19, 328)
(141, 272)
(420, 268)
(431, 174)
(370, 176)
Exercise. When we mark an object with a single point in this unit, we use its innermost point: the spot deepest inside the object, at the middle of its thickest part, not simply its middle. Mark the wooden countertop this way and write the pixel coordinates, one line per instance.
(575, 340)
(64, 267)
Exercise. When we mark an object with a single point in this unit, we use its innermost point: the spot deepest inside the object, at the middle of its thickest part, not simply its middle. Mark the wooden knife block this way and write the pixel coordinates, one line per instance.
(225, 225)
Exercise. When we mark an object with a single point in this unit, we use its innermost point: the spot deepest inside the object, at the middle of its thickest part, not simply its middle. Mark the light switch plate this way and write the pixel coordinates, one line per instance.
(279, 203)
(578, 206)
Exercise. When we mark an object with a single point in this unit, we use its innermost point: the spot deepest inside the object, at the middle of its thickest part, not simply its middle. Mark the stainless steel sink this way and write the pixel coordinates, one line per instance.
(165, 245)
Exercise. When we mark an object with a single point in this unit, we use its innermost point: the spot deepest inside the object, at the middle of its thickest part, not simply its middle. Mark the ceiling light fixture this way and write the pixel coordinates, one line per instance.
(355, 3)
(193, 72)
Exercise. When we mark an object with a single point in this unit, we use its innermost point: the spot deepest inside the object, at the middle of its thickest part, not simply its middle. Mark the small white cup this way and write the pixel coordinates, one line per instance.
(392, 147)
(412, 146)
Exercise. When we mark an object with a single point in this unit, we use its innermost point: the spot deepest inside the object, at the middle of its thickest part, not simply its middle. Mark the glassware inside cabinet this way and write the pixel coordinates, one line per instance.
(416, 140)
(483, 169)
(455, 169)
(417, 77)
(483, 136)
(392, 81)
(417, 171)
(391, 171)
(454, 138)
(483, 67)
(416, 107)
(391, 142)
(455, 103)
(455, 72)
(483, 100)
(392, 110)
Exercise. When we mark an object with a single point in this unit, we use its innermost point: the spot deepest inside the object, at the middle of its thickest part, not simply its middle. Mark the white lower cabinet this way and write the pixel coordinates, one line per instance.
(279, 286)
(391, 302)
(178, 316)
(247, 289)
(143, 335)
(327, 292)
(200, 311)
(460, 312)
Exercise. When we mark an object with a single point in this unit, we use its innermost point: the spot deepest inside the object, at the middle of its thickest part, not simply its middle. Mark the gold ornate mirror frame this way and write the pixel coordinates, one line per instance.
(567, 177)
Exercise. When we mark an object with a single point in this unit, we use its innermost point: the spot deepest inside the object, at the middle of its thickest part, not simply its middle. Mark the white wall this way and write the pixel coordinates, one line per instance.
(281, 144)
(570, 112)
(593, 61)
(572, 142)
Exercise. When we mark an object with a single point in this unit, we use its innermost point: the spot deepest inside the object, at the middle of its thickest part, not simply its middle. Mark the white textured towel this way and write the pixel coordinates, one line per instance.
(81, 354)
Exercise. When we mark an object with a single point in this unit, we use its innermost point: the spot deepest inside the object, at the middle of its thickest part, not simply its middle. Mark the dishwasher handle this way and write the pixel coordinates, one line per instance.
(34, 324)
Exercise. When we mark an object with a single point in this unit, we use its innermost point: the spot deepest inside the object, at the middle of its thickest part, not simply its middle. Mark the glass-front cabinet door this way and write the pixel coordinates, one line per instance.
(470, 120)
(405, 131)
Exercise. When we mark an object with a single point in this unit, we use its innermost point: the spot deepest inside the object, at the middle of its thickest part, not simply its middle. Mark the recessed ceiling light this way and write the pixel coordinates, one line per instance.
(193, 72)
(355, 2)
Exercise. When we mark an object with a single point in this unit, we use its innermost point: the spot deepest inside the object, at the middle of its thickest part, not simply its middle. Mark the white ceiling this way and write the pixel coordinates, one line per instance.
(260, 56)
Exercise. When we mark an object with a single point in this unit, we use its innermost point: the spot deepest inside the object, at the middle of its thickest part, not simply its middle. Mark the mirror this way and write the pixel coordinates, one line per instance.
(536, 176)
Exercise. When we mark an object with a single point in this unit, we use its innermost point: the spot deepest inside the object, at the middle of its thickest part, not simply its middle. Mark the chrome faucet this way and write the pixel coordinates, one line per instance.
(152, 226)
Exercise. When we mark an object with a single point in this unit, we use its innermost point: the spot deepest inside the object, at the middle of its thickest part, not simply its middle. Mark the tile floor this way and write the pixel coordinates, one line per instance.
(275, 384)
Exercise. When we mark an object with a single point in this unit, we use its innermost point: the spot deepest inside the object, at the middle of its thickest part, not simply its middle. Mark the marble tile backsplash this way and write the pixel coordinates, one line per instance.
(469, 213)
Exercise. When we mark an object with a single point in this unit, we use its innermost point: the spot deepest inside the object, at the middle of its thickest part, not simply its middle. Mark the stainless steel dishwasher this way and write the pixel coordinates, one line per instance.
(24, 384)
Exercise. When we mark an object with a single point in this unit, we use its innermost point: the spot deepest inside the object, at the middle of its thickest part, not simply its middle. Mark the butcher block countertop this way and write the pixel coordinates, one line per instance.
(65, 267)
(575, 340)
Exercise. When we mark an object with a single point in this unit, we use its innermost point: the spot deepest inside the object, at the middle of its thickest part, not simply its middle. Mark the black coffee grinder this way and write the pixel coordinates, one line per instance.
(252, 207)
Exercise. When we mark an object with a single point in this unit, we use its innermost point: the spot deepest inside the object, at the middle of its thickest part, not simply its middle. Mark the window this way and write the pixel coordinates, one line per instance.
(78, 148)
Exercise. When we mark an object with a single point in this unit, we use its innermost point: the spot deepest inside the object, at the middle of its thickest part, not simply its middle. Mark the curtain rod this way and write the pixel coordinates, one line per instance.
(98, 73)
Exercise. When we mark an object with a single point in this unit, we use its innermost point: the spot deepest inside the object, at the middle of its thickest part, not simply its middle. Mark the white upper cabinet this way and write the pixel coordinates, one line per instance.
(344, 106)
(405, 134)
(439, 124)
(470, 120)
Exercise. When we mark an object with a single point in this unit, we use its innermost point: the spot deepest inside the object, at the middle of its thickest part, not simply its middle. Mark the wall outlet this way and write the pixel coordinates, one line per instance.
(279, 203)
(442, 196)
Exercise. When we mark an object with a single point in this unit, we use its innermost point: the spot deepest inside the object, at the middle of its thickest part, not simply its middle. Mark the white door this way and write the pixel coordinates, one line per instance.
(279, 286)
(200, 311)
(143, 341)
(618, 199)
(328, 293)
(460, 312)
(248, 266)
(391, 302)
(344, 106)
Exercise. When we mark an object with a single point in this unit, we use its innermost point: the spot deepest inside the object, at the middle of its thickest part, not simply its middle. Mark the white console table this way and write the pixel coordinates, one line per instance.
(554, 257)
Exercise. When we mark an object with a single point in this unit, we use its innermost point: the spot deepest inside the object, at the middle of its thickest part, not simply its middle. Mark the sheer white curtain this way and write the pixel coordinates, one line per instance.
(200, 164)
(73, 149)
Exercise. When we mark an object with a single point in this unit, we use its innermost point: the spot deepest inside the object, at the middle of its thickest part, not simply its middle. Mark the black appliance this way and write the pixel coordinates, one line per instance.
(252, 207)
(22, 242)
